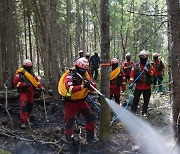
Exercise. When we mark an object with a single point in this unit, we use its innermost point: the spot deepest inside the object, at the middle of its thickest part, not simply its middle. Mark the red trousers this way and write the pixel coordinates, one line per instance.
(70, 111)
(115, 91)
(27, 101)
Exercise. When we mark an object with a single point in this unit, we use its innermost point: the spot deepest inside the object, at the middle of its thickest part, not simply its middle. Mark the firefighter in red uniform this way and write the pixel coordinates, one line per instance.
(158, 71)
(26, 82)
(127, 66)
(143, 84)
(117, 79)
(75, 91)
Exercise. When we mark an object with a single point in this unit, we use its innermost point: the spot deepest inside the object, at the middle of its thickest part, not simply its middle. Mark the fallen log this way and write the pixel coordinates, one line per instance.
(13, 94)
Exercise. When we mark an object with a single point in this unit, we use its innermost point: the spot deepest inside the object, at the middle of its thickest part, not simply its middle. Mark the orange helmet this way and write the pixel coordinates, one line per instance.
(82, 63)
(27, 63)
(155, 54)
(114, 61)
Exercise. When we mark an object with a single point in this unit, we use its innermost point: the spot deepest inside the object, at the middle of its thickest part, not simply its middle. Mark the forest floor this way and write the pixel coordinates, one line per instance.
(46, 136)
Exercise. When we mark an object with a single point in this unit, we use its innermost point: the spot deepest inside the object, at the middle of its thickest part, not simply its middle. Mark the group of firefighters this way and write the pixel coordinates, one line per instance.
(75, 84)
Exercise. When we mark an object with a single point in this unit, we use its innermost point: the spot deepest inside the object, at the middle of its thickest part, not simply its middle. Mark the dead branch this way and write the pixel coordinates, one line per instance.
(144, 14)
(8, 133)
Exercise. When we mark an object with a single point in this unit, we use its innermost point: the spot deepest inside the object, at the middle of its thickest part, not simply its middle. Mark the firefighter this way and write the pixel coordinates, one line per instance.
(74, 89)
(127, 66)
(80, 54)
(117, 79)
(25, 81)
(143, 83)
(159, 71)
(88, 58)
(95, 63)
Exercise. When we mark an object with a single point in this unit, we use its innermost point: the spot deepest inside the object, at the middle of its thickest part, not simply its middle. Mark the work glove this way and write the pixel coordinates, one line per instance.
(146, 68)
(131, 86)
(73, 72)
(87, 84)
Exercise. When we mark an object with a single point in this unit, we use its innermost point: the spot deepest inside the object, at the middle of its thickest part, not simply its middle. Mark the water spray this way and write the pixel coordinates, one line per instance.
(129, 98)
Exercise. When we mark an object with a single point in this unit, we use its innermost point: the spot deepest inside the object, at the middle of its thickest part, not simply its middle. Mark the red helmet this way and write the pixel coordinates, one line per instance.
(27, 63)
(82, 63)
(114, 61)
(155, 54)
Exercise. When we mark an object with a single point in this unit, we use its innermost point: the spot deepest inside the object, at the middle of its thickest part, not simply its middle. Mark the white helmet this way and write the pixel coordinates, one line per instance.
(144, 53)
(128, 54)
(27, 63)
(80, 51)
(96, 51)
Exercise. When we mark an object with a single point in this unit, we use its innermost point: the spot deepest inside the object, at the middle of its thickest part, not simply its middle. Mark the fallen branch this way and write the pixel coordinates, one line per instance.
(8, 133)
(6, 107)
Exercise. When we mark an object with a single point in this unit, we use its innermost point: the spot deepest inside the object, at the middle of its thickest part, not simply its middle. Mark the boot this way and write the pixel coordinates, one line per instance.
(90, 138)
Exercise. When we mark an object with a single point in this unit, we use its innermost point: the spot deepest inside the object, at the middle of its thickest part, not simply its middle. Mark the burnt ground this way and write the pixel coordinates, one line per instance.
(47, 136)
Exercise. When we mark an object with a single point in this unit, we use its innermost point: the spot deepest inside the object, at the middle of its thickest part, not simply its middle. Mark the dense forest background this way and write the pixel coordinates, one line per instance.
(51, 33)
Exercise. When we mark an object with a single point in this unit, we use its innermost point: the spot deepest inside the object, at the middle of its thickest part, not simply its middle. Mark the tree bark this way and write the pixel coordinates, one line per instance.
(174, 13)
(54, 49)
(105, 70)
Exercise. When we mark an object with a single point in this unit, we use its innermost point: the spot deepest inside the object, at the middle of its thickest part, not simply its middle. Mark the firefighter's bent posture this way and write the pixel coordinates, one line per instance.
(75, 90)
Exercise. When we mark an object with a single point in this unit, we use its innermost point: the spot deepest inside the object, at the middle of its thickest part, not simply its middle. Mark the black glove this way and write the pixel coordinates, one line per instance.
(28, 84)
(73, 72)
(87, 84)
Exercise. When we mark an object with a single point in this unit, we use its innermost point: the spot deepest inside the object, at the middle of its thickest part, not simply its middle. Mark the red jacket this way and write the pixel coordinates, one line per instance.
(141, 84)
(21, 82)
(127, 66)
(158, 67)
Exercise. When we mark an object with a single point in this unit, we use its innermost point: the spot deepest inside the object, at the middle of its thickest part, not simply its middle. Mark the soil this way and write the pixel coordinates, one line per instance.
(46, 136)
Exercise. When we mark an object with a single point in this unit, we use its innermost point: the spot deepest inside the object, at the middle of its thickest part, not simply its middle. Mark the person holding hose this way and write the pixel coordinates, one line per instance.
(74, 89)
(143, 74)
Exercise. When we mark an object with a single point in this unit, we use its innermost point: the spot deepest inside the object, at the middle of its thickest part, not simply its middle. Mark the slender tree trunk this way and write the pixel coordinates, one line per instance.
(174, 9)
(54, 49)
(29, 29)
(78, 26)
(25, 33)
(84, 26)
(68, 33)
(105, 70)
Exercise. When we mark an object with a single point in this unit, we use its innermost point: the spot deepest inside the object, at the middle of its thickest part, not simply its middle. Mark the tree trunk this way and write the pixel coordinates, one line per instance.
(54, 48)
(105, 70)
(84, 25)
(68, 33)
(174, 9)
(78, 26)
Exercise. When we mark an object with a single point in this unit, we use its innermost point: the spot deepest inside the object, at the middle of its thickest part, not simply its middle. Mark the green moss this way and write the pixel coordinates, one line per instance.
(4, 152)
